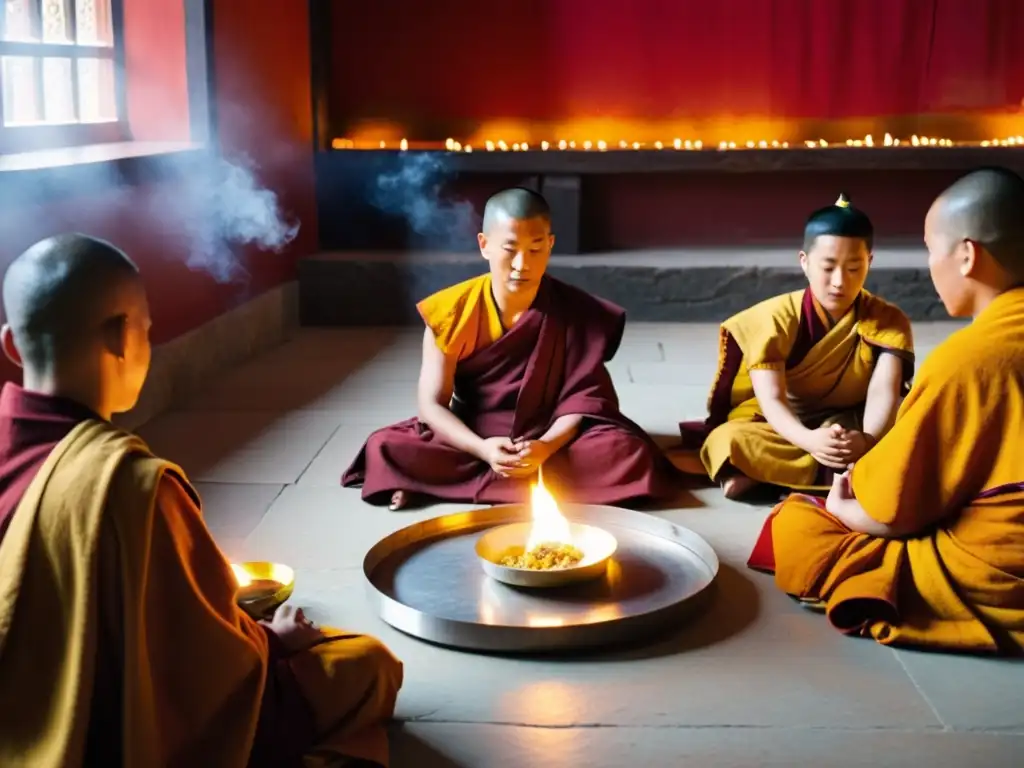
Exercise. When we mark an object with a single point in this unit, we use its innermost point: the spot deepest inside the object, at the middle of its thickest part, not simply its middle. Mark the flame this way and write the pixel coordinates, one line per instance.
(549, 525)
(241, 575)
(589, 134)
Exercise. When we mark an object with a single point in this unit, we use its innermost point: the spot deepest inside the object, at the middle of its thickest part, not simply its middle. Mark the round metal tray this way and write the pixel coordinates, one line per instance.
(427, 581)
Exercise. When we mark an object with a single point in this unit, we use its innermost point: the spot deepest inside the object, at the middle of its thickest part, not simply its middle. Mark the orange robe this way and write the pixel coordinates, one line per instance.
(121, 642)
(464, 318)
(828, 366)
(952, 469)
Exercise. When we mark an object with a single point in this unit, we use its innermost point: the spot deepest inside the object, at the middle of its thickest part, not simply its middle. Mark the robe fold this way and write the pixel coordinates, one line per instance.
(828, 367)
(952, 471)
(120, 639)
(516, 383)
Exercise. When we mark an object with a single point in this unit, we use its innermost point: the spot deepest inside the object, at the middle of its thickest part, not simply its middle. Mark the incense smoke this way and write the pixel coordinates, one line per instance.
(207, 206)
(414, 192)
(219, 206)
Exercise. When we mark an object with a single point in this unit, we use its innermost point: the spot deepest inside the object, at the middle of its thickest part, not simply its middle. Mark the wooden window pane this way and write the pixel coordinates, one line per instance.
(94, 22)
(21, 96)
(18, 15)
(96, 91)
(58, 91)
(56, 21)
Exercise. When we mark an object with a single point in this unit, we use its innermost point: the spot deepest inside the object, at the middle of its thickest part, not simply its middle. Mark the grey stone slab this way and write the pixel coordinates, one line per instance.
(239, 446)
(659, 408)
(233, 510)
(970, 692)
(686, 377)
(461, 745)
(321, 527)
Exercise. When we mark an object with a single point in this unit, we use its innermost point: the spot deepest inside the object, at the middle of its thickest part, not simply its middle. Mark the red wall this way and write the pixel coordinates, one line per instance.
(263, 104)
(552, 60)
(710, 69)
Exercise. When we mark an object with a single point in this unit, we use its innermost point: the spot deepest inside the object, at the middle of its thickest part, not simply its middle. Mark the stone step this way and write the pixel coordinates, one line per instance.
(691, 285)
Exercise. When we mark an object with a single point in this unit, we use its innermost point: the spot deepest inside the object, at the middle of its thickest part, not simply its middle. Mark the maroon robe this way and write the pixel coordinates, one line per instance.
(31, 426)
(551, 363)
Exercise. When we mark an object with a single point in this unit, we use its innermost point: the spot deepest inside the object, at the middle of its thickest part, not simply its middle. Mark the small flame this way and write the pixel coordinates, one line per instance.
(241, 576)
(549, 525)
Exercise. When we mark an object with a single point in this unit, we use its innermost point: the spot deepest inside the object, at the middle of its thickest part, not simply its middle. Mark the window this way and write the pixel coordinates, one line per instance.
(59, 73)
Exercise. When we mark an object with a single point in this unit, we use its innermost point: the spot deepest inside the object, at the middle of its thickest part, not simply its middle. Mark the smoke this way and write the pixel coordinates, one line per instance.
(204, 209)
(414, 193)
(217, 207)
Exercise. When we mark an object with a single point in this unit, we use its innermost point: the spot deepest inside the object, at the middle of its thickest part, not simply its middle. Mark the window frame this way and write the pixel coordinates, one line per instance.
(28, 138)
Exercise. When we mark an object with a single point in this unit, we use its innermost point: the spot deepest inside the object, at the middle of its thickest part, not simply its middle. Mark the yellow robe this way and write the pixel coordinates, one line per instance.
(828, 385)
(463, 317)
(952, 468)
(107, 530)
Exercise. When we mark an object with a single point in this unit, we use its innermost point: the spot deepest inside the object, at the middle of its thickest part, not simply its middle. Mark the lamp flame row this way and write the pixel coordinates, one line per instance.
(499, 145)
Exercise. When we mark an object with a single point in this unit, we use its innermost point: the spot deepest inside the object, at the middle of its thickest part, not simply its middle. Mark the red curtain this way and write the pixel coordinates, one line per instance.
(656, 59)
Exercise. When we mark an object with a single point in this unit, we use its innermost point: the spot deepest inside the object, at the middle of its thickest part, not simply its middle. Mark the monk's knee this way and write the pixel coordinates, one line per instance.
(804, 538)
(377, 442)
(391, 671)
(624, 445)
(388, 672)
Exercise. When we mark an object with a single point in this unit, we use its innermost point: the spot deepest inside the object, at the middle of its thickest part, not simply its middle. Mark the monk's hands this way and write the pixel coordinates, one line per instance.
(293, 629)
(829, 446)
(840, 493)
(857, 444)
(515, 458)
(502, 454)
(533, 454)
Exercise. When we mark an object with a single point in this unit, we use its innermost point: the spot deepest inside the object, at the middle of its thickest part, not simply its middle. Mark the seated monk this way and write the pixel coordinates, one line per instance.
(808, 381)
(922, 542)
(513, 377)
(121, 643)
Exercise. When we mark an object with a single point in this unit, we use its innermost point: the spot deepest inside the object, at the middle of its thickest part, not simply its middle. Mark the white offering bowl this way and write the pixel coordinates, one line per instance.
(596, 544)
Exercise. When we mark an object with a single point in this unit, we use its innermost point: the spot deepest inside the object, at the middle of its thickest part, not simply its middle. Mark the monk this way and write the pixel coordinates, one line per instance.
(922, 542)
(120, 640)
(513, 378)
(808, 381)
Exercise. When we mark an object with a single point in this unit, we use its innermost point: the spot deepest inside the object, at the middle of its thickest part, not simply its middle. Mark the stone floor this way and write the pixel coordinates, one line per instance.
(754, 681)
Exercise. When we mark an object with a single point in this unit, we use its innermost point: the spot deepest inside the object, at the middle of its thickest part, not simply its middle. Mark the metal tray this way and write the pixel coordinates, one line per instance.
(426, 581)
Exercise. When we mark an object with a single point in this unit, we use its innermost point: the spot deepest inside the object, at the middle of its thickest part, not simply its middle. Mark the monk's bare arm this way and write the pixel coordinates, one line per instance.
(842, 503)
(562, 430)
(851, 514)
(884, 395)
(770, 391)
(434, 396)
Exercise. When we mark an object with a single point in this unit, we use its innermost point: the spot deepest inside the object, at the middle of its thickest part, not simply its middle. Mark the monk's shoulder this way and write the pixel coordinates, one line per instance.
(595, 321)
(586, 306)
(451, 301)
(174, 485)
(595, 317)
(885, 322)
(443, 312)
(963, 356)
(783, 310)
(765, 332)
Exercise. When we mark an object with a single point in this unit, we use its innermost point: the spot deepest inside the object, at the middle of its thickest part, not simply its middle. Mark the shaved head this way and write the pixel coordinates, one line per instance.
(517, 203)
(60, 290)
(987, 208)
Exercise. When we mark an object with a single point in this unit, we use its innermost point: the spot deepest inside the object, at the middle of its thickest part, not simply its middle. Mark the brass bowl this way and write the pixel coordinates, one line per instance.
(270, 584)
(596, 544)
